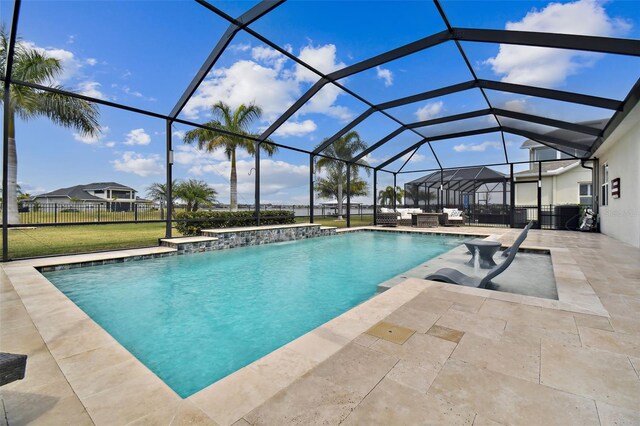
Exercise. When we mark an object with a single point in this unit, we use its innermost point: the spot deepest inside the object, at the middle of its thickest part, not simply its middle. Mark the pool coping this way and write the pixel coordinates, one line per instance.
(78, 344)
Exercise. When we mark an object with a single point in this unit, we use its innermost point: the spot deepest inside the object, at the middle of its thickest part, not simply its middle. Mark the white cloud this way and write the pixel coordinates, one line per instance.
(91, 61)
(179, 134)
(477, 147)
(279, 179)
(322, 58)
(240, 47)
(188, 155)
(430, 110)
(517, 105)
(91, 140)
(540, 66)
(245, 82)
(110, 144)
(268, 56)
(323, 103)
(385, 74)
(293, 128)
(137, 137)
(132, 162)
(415, 159)
(266, 81)
(92, 89)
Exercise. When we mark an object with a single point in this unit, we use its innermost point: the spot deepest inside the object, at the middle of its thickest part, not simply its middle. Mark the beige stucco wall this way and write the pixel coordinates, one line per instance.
(556, 189)
(527, 193)
(566, 188)
(621, 218)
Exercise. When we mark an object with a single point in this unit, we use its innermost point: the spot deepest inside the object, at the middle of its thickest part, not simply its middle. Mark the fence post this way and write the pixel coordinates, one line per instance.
(99, 212)
(135, 212)
(55, 213)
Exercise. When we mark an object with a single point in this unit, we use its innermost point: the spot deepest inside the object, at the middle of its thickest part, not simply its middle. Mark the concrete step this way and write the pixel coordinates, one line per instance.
(181, 241)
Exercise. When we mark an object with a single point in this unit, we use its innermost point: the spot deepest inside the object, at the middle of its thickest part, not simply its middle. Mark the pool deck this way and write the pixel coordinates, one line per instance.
(421, 352)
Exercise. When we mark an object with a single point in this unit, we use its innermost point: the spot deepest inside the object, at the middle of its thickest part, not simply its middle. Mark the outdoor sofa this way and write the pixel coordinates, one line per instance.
(451, 217)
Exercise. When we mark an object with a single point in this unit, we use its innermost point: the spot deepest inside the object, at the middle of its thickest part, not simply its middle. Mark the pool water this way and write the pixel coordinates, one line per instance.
(197, 318)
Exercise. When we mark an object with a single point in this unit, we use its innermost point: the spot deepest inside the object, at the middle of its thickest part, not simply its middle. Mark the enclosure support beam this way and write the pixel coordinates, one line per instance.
(5, 133)
(504, 195)
(539, 195)
(311, 171)
(257, 184)
(618, 46)
(169, 188)
(253, 14)
(512, 199)
(348, 194)
(395, 195)
(628, 104)
(375, 196)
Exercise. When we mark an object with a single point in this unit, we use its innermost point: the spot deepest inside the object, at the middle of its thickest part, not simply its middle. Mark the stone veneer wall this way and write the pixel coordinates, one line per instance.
(228, 238)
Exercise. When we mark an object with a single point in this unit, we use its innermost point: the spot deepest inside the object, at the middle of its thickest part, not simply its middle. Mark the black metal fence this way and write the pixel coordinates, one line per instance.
(62, 213)
(94, 213)
(559, 217)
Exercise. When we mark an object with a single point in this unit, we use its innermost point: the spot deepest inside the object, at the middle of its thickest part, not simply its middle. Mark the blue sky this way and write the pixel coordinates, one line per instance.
(144, 54)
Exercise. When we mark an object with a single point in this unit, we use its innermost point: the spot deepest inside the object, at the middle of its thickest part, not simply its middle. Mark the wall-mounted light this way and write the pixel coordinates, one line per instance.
(539, 184)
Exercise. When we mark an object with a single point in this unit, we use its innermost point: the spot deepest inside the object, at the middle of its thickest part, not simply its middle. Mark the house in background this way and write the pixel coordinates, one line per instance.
(112, 196)
(563, 182)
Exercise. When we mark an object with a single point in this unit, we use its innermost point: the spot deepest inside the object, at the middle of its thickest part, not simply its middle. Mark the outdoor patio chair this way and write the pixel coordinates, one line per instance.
(386, 217)
(452, 217)
(518, 240)
(453, 276)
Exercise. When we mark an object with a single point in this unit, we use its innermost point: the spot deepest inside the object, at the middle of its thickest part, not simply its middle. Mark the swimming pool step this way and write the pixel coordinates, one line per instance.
(190, 244)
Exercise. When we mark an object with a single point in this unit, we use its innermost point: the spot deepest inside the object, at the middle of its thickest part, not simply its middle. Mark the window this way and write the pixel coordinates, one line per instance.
(99, 191)
(541, 154)
(586, 193)
(604, 181)
(120, 194)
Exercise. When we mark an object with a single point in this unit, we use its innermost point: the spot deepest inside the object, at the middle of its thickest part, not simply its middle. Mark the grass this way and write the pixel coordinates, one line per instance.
(44, 241)
(356, 220)
(49, 240)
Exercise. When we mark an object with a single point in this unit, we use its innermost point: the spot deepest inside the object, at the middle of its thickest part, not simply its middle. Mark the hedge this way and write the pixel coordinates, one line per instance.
(191, 223)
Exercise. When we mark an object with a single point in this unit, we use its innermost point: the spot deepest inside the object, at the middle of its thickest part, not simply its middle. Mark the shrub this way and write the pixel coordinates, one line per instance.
(191, 223)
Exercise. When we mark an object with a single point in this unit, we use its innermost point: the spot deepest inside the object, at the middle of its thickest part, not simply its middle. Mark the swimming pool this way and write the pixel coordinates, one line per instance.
(197, 318)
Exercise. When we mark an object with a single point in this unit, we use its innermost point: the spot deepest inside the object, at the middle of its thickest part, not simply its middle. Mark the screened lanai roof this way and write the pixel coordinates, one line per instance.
(467, 179)
(444, 49)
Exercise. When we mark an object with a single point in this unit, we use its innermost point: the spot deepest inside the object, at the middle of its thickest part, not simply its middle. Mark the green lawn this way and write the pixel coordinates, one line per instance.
(49, 240)
(356, 220)
(43, 241)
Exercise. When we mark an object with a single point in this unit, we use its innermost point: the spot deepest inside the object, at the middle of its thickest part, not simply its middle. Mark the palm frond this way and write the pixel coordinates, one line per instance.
(70, 112)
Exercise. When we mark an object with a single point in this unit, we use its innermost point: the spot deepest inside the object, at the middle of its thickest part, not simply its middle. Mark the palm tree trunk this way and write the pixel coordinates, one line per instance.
(233, 183)
(339, 200)
(11, 204)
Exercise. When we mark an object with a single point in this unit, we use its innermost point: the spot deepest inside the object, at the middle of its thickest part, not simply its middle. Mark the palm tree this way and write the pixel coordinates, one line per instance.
(331, 186)
(238, 122)
(32, 66)
(196, 193)
(386, 196)
(344, 148)
(158, 192)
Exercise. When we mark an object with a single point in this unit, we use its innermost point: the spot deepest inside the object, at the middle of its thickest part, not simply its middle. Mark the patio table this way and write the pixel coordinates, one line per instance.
(486, 250)
(424, 220)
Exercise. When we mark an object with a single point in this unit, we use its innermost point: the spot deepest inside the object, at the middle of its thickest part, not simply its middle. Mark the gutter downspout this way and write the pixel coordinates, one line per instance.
(595, 190)
(594, 201)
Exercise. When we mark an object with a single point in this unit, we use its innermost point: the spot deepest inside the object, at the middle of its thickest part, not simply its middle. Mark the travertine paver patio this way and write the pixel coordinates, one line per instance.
(471, 357)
